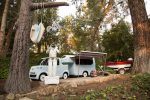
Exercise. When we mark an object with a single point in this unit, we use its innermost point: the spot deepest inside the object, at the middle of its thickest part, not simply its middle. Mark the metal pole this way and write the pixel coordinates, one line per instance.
(78, 65)
(105, 62)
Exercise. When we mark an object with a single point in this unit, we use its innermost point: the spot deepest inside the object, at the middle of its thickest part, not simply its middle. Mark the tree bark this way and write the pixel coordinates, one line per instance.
(18, 78)
(3, 27)
(39, 47)
(141, 29)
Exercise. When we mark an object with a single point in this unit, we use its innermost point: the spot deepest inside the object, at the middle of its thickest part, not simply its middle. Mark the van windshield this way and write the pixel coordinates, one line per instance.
(45, 62)
(84, 61)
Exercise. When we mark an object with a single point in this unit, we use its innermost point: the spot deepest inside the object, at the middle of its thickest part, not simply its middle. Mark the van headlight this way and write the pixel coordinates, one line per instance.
(32, 68)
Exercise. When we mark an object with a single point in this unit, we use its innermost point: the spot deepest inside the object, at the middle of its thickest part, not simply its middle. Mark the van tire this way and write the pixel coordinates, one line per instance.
(41, 77)
(65, 75)
(85, 74)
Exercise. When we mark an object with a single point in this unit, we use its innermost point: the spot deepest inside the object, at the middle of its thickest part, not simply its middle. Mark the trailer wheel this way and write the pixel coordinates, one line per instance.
(121, 71)
(85, 74)
(65, 75)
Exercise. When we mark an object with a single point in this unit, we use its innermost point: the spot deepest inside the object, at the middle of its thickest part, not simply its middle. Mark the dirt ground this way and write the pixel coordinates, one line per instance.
(76, 91)
(81, 90)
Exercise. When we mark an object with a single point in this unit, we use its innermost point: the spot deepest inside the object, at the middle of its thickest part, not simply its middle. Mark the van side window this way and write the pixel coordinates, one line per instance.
(84, 61)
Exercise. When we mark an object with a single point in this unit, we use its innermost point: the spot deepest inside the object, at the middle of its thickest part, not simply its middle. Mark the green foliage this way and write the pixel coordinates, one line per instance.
(4, 67)
(110, 93)
(118, 40)
(35, 58)
(85, 27)
(3, 72)
(137, 89)
(141, 82)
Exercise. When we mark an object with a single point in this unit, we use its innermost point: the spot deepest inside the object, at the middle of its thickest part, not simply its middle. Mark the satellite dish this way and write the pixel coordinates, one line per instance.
(37, 32)
(34, 32)
(42, 29)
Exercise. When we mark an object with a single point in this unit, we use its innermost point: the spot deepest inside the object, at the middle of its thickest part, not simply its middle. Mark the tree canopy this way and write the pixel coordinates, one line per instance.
(118, 40)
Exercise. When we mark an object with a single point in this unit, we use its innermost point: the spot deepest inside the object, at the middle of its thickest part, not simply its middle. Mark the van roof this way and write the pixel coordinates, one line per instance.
(85, 54)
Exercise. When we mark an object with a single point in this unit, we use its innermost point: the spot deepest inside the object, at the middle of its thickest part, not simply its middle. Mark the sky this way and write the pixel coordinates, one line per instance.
(66, 10)
(71, 9)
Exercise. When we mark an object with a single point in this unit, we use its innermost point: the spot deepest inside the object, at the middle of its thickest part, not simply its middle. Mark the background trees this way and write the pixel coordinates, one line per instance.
(118, 40)
(86, 26)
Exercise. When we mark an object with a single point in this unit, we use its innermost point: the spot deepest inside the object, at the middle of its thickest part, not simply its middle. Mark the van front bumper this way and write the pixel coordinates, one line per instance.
(32, 75)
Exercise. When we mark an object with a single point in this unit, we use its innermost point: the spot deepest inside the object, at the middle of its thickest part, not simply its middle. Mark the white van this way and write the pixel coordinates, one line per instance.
(38, 72)
(68, 65)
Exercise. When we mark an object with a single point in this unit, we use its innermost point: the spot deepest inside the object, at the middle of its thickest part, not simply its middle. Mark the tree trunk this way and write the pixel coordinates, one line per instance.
(18, 79)
(141, 29)
(39, 47)
(3, 27)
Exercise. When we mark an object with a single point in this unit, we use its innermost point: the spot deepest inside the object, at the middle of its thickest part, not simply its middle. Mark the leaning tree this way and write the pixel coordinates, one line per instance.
(3, 27)
(18, 79)
(141, 29)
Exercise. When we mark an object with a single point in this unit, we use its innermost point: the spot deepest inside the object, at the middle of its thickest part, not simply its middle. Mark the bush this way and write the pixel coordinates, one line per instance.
(141, 82)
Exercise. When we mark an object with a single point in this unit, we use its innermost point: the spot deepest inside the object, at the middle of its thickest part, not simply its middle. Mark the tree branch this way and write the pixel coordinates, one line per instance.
(36, 6)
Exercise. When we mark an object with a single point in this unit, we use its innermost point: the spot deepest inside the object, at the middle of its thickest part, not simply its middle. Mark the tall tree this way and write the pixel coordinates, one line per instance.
(18, 79)
(84, 29)
(3, 27)
(141, 29)
(7, 19)
(98, 10)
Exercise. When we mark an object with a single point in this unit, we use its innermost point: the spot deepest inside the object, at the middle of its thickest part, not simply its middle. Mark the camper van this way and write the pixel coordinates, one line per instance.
(38, 72)
(79, 65)
(67, 65)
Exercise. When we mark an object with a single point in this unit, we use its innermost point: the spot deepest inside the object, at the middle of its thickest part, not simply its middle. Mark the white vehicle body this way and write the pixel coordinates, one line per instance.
(68, 65)
(126, 66)
(39, 71)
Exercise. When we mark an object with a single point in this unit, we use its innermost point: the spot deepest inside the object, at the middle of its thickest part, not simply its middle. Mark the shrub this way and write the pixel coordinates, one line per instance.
(35, 58)
(141, 82)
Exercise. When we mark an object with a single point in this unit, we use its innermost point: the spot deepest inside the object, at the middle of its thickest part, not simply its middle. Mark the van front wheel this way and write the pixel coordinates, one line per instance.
(85, 74)
(42, 76)
(65, 75)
